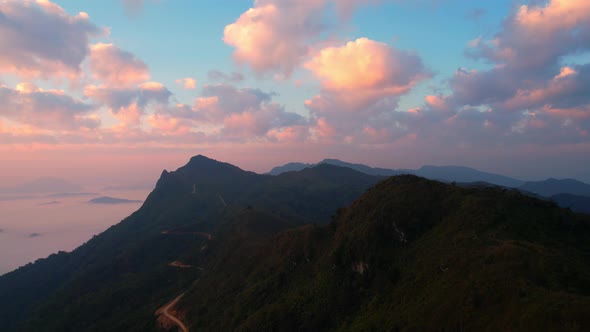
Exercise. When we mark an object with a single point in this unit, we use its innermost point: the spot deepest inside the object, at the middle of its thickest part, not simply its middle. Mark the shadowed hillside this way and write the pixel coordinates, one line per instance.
(410, 255)
(127, 266)
(225, 249)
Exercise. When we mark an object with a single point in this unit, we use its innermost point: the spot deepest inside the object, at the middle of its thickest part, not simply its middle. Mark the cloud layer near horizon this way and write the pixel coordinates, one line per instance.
(530, 95)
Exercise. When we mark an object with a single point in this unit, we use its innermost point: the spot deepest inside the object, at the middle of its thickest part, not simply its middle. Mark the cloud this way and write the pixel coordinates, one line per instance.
(530, 95)
(116, 67)
(366, 65)
(362, 81)
(275, 35)
(47, 109)
(216, 75)
(226, 113)
(129, 104)
(188, 83)
(536, 36)
(39, 39)
(218, 100)
(258, 122)
(168, 124)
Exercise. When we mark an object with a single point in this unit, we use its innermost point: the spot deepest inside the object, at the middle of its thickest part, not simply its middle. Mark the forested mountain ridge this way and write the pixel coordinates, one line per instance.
(127, 266)
(557, 190)
(325, 248)
(409, 255)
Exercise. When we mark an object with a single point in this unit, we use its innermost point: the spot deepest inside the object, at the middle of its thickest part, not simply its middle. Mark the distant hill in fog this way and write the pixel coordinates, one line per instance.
(465, 174)
(441, 173)
(112, 200)
(567, 193)
(551, 187)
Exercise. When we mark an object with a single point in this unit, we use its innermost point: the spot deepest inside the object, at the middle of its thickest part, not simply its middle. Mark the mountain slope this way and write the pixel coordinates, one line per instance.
(560, 191)
(290, 167)
(440, 173)
(127, 266)
(552, 187)
(409, 255)
(366, 169)
(465, 174)
(259, 252)
(576, 203)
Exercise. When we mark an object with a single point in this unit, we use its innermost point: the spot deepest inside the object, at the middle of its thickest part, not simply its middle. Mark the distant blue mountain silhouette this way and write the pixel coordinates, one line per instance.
(112, 200)
(546, 188)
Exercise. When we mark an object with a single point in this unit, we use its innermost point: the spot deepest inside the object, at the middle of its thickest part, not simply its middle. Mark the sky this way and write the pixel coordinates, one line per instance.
(114, 91)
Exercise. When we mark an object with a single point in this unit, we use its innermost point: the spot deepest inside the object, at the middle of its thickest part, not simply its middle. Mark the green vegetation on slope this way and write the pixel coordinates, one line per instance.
(410, 255)
(119, 278)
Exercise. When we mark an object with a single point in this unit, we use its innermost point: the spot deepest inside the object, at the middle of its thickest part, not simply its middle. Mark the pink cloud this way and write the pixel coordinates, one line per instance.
(272, 35)
(536, 35)
(323, 130)
(26, 50)
(129, 115)
(276, 35)
(168, 124)
(224, 112)
(116, 67)
(187, 83)
(257, 123)
(436, 103)
(362, 81)
(129, 104)
(143, 94)
(45, 109)
(555, 15)
(575, 114)
(550, 92)
(367, 67)
(288, 134)
(532, 94)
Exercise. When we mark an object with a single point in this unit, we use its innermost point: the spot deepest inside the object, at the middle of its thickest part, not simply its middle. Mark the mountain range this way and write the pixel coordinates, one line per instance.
(563, 191)
(216, 248)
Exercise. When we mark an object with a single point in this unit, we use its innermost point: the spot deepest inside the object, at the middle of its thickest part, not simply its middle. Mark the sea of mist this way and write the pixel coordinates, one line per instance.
(33, 227)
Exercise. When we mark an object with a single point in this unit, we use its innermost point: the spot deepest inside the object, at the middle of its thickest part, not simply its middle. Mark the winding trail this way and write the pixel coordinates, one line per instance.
(165, 311)
(180, 265)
